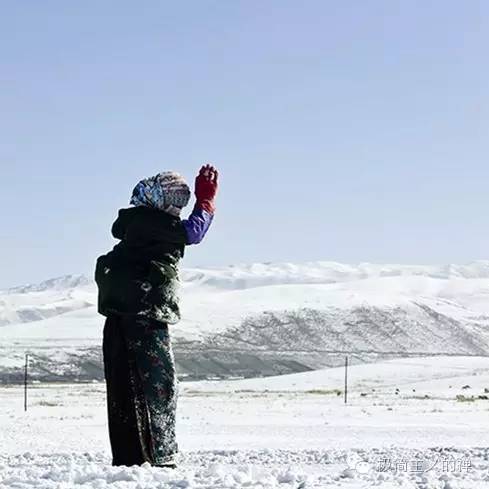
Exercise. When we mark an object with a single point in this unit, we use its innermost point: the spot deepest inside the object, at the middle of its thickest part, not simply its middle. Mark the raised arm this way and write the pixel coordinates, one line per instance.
(199, 221)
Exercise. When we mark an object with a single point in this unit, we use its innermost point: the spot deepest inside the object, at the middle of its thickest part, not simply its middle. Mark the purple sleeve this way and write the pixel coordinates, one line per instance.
(196, 225)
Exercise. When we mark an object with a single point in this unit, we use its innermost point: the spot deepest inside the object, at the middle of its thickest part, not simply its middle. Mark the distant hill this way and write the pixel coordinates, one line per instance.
(262, 319)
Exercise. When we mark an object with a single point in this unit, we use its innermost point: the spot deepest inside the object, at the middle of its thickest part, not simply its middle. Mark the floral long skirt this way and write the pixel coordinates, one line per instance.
(141, 391)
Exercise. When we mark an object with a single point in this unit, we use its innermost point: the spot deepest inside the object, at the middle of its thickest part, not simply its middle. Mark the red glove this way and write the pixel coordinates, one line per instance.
(206, 188)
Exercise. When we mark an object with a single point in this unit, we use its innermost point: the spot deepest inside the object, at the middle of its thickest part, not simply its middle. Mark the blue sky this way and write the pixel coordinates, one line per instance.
(344, 130)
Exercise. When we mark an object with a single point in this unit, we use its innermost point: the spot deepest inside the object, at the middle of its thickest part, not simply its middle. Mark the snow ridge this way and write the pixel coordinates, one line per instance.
(63, 282)
(263, 319)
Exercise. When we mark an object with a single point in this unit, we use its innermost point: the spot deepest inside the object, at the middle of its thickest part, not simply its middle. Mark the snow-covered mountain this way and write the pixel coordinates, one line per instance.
(57, 283)
(262, 319)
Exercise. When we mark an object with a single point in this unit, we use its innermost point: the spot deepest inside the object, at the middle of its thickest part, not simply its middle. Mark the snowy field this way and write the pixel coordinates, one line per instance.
(409, 423)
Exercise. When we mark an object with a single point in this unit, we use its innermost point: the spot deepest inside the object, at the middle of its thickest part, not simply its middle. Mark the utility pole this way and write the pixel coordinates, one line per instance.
(25, 380)
(346, 379)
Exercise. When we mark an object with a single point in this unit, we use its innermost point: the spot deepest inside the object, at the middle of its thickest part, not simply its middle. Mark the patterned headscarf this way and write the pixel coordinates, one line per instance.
(166, 191)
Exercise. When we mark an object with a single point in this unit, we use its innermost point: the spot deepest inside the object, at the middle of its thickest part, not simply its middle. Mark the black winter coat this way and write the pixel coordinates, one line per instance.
(139, 277)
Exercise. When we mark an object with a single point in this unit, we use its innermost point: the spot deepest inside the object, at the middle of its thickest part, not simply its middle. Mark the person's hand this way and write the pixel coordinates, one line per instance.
(206, 185)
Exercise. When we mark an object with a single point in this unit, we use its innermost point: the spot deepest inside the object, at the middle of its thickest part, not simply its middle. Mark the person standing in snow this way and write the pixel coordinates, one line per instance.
(137, 283)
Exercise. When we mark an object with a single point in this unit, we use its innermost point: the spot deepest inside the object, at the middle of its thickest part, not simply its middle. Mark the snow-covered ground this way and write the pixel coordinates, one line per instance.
(409, 423)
